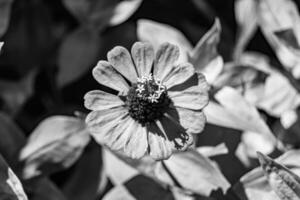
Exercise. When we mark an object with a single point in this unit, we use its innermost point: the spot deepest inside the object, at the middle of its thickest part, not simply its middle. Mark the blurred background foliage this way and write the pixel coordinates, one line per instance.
(45, 69)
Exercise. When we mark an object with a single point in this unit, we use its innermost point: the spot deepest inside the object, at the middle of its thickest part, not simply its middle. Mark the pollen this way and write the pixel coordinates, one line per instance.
(147, 100)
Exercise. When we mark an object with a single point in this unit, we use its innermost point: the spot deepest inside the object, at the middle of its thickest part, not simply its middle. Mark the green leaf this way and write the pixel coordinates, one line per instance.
(284, 182)
(55, 144)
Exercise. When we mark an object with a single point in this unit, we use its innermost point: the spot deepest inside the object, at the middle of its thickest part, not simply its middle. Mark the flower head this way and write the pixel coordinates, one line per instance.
(158, 106)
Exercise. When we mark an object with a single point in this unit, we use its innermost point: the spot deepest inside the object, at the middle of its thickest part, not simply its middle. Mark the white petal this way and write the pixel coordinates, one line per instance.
(121, 60)
(143, 57)
(106, 75)
(128, 138)
(100, 100)
(160, 148)
(179, 74)
(104, 122)
(137, 145)
(166, 57)
(195, 97)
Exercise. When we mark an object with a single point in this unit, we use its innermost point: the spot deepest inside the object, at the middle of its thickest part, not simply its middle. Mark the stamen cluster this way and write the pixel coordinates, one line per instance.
(147, 99)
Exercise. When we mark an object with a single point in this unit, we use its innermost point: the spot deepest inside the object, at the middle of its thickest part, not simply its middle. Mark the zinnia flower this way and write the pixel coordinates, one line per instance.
(158, 106)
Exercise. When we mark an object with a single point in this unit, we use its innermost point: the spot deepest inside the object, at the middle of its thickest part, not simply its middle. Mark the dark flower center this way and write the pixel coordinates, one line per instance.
(147, 100)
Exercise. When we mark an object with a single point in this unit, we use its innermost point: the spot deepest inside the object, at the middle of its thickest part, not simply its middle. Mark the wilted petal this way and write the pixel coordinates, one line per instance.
(121, 60)
(106, 75)
(159, 147)
(192, 121)
(166, 57)
(143, 57)
(179, 74)
(284, 182)
(100, 100)
(254, 184)
(195, 97)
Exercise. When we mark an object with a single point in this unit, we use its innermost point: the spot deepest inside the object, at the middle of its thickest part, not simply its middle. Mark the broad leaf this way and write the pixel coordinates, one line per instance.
(279, 96)
(118, 193)
(246, 18)
(142, 187)
(235, 112)
(15, 93)
(279, 15)
(123, 11)
(205, 57)
(77, 54)
(285, 183)
(211, 151)
(86, 176)
(252, 142)
(55, 144)
(5, 8)
(191, 168)
(158, 33)
(116, 170)
(12, 141)
(101, 13)
(254, 185)
(275, 94)
(10, 186)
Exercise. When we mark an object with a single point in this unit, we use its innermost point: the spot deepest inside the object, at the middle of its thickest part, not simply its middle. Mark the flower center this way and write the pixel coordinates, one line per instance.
(147, 100)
